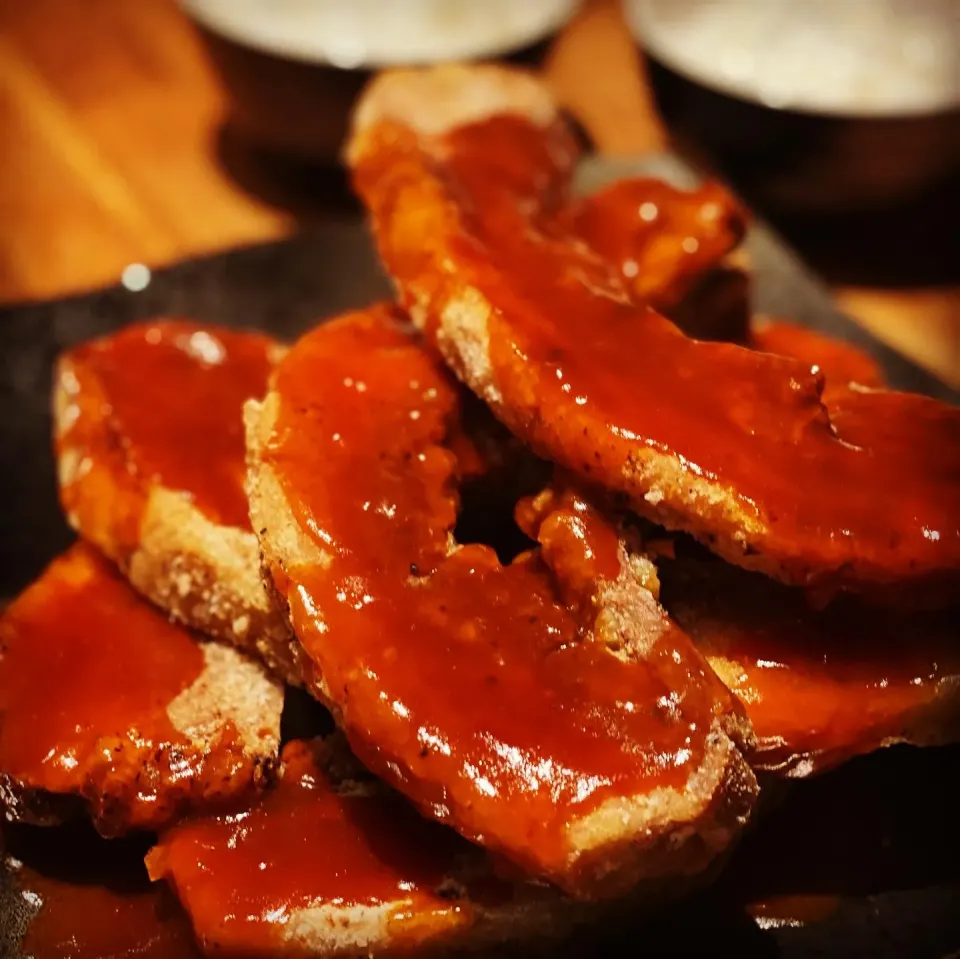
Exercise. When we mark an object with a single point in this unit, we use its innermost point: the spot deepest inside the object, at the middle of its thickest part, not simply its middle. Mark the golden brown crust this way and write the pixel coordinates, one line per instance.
(230, 718)
(462, 314)
(519, 917)
(206, 575)
(463, 337)
(441, 263)
(620, 844)
(438, 100)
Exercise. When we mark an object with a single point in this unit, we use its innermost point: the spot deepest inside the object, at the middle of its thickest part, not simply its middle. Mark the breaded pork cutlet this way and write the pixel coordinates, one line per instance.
(465, 171)
(546, 709)
(819, 686)
(149, 440)
(332, 863)
(108, 709)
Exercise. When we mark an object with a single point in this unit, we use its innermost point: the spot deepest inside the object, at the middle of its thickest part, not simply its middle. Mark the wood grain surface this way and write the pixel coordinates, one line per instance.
(111, 153)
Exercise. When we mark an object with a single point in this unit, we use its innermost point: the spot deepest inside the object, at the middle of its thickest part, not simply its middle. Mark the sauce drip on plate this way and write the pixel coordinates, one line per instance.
(79, 920)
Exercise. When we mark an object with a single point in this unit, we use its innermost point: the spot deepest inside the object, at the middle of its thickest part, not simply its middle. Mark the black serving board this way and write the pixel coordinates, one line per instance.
(876, 844)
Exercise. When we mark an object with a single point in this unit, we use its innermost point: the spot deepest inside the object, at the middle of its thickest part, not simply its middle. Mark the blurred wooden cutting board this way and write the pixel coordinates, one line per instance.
(108, 118)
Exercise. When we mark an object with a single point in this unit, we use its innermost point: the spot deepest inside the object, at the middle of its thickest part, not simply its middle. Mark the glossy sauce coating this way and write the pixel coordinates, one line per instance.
(819, 686)
(842, 363)
(87, 673)
(670, 250)
(475, 688)
(245, 878)
(160, 403)
(85, 658)
(730, 444)
(660, 239)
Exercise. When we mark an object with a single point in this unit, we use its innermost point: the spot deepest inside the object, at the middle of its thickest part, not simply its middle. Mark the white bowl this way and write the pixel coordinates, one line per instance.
(293, 68)
(849, 58)
(378, 33)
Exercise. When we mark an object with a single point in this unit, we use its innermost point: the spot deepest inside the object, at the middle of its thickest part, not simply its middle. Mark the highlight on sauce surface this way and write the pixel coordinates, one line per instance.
(568, 561)
(563, 725)
(732, 445)
(110, 710)
(159, 404)
(85, 660)
(311, 844)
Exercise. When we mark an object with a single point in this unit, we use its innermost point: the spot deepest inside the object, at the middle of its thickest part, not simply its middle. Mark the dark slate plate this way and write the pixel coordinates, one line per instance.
(876, 844)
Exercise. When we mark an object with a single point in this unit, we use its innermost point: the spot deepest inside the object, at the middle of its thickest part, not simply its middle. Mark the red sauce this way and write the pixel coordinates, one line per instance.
(244, 878)
(85, 897)
(604, 387)
(819, 686)
(84, 658)
(660, 239)
(87, 672)
(577, 545)
(161, 403)
(92, 921)
(477, 689)
(842, 363)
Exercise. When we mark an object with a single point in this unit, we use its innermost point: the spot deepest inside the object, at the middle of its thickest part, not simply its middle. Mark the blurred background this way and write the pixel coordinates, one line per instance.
(150, 131)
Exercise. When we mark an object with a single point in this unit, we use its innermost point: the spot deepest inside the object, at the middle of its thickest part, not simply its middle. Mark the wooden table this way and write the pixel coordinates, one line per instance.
(108, 156)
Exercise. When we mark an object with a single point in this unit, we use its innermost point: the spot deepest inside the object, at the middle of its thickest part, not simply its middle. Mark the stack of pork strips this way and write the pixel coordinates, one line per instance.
(564, 577)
